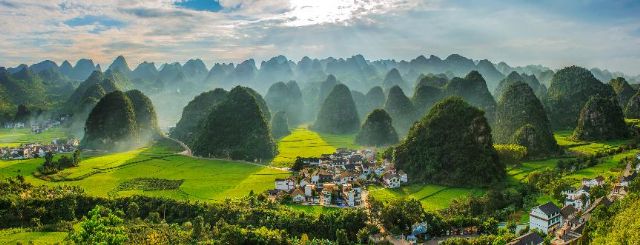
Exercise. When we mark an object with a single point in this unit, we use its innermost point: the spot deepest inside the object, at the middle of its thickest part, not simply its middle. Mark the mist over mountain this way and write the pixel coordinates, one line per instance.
(314, 78)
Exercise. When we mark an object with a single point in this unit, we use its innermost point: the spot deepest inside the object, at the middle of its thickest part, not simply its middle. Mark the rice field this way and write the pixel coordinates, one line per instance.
(22, 236)
(584, 147)
(303, 142)
(432, 197)
(203, 179)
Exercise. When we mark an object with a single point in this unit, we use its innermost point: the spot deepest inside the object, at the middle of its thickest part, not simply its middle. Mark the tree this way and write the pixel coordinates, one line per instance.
(76, 158)
(521, 119)
(398, 215)
(511, 154)
(102, 227)
(377, 130)
(341, 237)
(451, 145)
(338, 114)
(198, 229)
(133, 210)
(236, 129)
(601, 119)
(279, 125)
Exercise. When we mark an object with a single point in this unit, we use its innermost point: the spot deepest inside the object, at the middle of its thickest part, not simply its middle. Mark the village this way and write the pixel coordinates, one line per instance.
(36, 150)
(567, 223)
(338, 179)
(37, 127)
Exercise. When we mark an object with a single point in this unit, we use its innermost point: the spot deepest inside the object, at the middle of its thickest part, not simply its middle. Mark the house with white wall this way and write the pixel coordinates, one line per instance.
(545, 217)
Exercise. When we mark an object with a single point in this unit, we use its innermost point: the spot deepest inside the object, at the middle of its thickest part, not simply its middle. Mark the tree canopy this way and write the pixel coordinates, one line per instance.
(451, 145)
(377, 130)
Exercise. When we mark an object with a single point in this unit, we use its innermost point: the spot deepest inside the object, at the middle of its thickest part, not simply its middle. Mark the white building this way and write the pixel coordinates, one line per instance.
(308, 190)
(579, 199)
(545, 217)
(403, 176)
(391, 180)
(298, 196)
(285, 184)
(597, 181)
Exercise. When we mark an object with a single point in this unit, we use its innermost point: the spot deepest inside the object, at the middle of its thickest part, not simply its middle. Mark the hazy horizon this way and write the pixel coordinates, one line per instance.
(591, 33)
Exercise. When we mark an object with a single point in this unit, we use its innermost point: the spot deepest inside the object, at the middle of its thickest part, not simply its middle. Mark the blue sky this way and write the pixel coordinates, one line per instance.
(590, 33)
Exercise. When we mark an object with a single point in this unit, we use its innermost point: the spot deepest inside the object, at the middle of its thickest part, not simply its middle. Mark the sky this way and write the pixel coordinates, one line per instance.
(589, 33)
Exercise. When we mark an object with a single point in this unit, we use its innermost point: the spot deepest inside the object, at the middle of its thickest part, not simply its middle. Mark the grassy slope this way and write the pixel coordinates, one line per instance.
(301, 142)
(204, 179)
(13, 236)
(432, 197)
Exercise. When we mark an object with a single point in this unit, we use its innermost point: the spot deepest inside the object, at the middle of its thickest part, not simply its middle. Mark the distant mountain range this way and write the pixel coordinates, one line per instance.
(356, 71)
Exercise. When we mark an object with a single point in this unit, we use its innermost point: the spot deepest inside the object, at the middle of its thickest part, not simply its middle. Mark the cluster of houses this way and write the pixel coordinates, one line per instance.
(338, 179)
(35, 150)
(36, 126)
(568, 222)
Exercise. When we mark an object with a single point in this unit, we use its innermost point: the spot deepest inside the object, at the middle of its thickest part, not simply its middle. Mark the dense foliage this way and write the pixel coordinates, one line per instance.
(601, 119)
(111, 124)
(570, 89)
(452, 145)
(338, 114)
(279, 125)
(377, 130)
(194, 113)
(141, 220)
(237, 129)
(521, 119)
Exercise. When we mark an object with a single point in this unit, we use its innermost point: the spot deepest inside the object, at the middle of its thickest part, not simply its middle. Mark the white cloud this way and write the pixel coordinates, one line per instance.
(403, 29)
